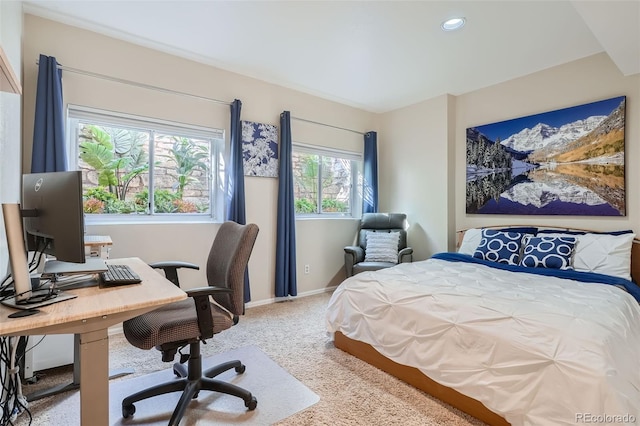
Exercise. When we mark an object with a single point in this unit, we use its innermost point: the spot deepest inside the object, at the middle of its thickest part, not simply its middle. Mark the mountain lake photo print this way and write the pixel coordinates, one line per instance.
(564, 162)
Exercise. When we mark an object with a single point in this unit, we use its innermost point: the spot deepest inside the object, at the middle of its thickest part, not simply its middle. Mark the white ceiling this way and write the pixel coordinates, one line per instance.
(374, 55)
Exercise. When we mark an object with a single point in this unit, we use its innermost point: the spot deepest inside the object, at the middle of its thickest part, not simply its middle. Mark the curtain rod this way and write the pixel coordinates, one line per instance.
(134, 83)
(326, 125)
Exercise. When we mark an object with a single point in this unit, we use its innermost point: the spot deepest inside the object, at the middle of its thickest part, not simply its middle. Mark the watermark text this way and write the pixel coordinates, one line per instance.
(605, 418)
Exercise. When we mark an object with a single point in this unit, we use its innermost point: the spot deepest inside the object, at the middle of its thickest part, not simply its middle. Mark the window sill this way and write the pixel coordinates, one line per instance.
(324, 217)
(144, 219)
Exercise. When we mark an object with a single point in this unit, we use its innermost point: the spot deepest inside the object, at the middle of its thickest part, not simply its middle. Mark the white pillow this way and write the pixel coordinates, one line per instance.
(470, 241)
(602, 253)
(382, 247)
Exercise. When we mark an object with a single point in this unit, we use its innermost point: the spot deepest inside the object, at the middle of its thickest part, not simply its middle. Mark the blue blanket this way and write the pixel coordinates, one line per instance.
(588, 277)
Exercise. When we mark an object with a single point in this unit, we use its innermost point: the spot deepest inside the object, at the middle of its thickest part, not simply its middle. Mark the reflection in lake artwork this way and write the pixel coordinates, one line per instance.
(563, 162)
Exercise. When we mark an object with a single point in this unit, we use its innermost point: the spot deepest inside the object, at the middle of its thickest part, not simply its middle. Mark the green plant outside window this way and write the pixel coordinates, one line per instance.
(322, 183)
(120, 165)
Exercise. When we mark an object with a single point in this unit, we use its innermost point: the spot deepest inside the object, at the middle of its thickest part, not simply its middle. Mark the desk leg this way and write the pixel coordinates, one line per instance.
(94, 378)
(33, 396)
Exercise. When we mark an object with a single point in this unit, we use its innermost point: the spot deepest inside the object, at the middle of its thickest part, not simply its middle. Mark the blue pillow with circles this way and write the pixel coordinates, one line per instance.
(499, 246)
(548, 252)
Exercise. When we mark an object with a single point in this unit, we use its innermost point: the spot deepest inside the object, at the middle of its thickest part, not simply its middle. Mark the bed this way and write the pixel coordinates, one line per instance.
(546, 343)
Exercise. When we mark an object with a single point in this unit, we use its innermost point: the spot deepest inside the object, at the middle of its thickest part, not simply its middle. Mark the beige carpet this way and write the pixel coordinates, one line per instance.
(293, 335)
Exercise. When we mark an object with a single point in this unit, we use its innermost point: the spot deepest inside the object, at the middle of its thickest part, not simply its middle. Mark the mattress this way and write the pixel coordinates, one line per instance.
(534, 349)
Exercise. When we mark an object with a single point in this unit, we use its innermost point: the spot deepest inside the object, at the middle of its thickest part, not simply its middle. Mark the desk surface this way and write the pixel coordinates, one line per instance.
(89, 316)
(96, 307)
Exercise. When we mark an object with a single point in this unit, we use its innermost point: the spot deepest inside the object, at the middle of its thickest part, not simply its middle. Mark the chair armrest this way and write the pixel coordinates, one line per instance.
(356, 251)
(206, 291)
(352, 255)
(170, 269)
(405, 255)
(174, 264)
(200, 296)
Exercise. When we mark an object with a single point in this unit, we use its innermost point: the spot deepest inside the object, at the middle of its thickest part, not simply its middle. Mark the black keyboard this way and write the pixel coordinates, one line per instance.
(118, 275)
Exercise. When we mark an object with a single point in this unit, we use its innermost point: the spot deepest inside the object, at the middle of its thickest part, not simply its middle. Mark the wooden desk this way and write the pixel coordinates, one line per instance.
(89, 316)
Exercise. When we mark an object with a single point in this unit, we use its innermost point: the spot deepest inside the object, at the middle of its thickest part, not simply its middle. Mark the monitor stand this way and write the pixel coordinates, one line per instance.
(76, 281)
(66, 275)
(91, 266)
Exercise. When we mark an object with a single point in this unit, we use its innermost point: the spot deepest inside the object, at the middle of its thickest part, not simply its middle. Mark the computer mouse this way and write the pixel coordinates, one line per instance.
(24, 313)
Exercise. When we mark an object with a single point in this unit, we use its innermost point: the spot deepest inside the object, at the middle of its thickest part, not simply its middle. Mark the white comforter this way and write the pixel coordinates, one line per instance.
(535, 350)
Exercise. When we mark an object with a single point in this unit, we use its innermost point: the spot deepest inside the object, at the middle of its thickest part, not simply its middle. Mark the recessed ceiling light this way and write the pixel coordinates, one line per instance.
(453, 24)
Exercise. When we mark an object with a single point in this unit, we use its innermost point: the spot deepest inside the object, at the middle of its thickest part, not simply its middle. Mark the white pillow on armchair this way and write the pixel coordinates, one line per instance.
(382, 247)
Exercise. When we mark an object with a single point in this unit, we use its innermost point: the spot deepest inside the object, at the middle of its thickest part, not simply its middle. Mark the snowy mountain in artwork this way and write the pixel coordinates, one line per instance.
(540, 194)
(543, 136)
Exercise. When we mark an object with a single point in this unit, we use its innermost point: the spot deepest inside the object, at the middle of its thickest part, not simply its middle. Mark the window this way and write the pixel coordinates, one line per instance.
(324, 181)
(138, 168)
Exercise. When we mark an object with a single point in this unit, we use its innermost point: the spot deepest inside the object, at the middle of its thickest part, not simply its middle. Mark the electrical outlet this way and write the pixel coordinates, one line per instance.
(306, 269)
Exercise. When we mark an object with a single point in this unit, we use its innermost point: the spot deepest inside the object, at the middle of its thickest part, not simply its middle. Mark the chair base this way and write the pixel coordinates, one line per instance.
(190, 382)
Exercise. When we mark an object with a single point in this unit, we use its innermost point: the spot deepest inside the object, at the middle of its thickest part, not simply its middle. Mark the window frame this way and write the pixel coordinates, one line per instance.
(76, 113)
(357, 168)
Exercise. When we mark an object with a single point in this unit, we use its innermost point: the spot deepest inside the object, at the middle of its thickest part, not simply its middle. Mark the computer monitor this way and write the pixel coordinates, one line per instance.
(53, 214)
(25, 296)
(54, 222)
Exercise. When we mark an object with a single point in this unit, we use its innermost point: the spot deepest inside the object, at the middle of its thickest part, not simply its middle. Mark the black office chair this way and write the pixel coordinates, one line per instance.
(173, 327)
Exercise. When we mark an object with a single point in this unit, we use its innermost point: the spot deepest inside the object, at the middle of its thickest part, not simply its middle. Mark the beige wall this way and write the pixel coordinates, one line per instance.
(262, 102)
(414, 167)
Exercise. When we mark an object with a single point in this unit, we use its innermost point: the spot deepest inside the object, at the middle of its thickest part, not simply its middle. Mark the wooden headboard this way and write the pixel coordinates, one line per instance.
(635, 248)
(635, 261)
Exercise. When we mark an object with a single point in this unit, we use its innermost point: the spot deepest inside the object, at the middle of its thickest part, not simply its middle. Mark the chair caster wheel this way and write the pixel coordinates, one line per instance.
(128, 410)
(251, 404)
(241, 369)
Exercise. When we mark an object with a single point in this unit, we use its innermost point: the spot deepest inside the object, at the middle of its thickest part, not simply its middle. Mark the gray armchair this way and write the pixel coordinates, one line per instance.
(355, 257)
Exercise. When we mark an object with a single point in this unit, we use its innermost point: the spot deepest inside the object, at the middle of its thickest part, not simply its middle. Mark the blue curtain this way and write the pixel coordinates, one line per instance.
(370, 175)
(234, 185)
(286, 281)
(49, 152)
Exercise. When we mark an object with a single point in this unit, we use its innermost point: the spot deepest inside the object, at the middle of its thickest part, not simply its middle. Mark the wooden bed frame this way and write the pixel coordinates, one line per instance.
(416, 378)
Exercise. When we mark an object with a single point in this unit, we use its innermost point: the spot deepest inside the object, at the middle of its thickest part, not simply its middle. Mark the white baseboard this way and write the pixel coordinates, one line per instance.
(282, 299)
